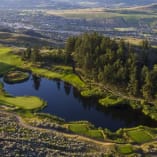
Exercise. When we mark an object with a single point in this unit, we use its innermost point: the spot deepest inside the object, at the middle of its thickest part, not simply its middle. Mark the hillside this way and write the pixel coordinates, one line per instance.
(151, 7)
(18, 39)
(62, 4)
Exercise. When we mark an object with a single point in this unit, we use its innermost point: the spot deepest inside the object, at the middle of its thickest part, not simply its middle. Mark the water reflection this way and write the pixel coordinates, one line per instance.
(67, 88)
(36, 82)
(65, 101)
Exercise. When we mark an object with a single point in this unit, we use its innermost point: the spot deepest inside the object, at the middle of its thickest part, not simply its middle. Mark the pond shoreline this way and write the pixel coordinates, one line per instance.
(99, 107)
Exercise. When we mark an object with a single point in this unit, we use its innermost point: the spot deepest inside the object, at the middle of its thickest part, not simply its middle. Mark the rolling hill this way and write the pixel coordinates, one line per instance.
(70, 4)
(18, 39)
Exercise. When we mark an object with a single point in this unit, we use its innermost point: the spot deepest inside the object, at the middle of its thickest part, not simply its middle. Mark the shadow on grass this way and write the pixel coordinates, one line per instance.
(4, 68)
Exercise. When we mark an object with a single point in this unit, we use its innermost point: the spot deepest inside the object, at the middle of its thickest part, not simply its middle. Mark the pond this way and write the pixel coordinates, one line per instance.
(65, 101)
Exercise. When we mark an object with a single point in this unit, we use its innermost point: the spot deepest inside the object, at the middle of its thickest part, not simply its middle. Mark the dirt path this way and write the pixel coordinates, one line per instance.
(22, 123)
(25, 125)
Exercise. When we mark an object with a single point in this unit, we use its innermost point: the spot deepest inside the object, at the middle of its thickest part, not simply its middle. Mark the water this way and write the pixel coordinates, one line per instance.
(65, 101)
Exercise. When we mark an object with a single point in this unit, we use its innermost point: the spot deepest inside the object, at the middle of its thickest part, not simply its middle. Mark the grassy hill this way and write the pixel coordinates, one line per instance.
(15, 39)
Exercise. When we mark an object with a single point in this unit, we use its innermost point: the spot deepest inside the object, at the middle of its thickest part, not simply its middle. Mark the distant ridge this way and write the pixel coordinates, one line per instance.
(71, 4)
(149, 7)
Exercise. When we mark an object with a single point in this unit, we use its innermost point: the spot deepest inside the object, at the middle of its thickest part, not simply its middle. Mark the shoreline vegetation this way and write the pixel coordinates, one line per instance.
(126, 139)
(88, 88)
(16, 76)
(28, 103)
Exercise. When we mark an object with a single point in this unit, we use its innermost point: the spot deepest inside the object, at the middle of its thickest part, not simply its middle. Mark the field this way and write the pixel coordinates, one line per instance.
(23, 40)
(8, 61)
(125, 149)
(140, 136)
(100, 13)
(86, 130)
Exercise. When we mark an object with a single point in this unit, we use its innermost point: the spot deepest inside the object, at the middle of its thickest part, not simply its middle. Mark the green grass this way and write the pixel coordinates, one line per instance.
(22, 102)
(25, 102)
(125, 149)
(9, 61)
(16, 76)
(22, 39)
(68, 77)
(79, 128)
(95, 134)
(84, 129)
(92, 92)
(139, 135)
(112, 101)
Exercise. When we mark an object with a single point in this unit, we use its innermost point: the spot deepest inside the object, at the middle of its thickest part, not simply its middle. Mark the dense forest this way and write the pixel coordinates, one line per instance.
(108, 61)
(115, 62)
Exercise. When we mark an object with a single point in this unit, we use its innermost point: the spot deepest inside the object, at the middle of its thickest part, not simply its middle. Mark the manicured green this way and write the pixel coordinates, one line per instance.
(112, 101)
(125, 149)
(91, 92)
(139, 135)
(78, 128)
(25, 102)
(95, 134)
(62, 74)
(86, 130)
(9, 61)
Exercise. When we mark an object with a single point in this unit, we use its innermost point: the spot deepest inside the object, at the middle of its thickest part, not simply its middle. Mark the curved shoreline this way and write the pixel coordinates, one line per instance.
(99, 92)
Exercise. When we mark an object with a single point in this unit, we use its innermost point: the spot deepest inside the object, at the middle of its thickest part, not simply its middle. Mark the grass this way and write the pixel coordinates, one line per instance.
(95, 134)
(125, 149)
(124, 29)
(139, 135)
(23, 102)
(23, 39)
(78, 128)
(110, 101)
(61, 74)
(100, 13)
(133, 41)
(85, 130)
(92, 92)
(16, 76)
(9, 61)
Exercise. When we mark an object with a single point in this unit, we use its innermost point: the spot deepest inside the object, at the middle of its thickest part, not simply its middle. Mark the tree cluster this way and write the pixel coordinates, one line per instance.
(32, 54)
(114, 62)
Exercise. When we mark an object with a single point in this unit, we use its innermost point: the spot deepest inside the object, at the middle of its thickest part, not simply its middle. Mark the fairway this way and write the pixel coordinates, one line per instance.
(25, 102)
(9, 61)
(140, 136)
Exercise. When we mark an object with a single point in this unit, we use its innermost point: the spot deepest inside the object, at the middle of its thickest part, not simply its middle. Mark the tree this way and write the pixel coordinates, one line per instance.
(147, 86)
(133, 85)
(28, 53)
(145, 44)
(35, 55)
